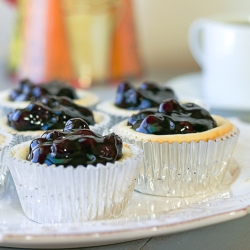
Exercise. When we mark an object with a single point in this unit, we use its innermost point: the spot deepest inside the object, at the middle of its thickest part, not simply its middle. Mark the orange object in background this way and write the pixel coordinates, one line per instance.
(58, 62)
(79, 41)
(46, 52)
(125, 60)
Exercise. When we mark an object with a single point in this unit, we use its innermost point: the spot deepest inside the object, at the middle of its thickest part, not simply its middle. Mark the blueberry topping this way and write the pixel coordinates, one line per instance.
(28, 91)
(50, 112)
(148, 95)
(172, 118)
(75, 146)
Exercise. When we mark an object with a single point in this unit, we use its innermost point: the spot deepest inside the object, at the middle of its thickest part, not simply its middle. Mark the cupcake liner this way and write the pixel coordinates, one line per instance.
(50, 194)
(116, 114)
(86, 98)
(9, 142)
(20, 136)
(102, 127)
(183, 169)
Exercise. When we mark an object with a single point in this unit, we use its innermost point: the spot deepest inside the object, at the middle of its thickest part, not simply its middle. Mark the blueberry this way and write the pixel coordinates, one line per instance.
(75, 123)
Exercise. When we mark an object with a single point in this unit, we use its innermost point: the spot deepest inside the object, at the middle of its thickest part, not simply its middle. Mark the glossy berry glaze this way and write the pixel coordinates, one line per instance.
(75, 145)
(50, 112)
(172, 118)
(146, 96)
(28, 91)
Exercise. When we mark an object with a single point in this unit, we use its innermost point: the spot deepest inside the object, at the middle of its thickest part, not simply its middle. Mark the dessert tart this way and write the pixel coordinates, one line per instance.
(130, 99)
(186, 150)
(74, 175)
(50, 112)
(27, 91)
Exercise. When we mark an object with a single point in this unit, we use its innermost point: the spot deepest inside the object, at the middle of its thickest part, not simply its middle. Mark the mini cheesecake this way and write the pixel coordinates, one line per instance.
(51, 112)
(74, 175)
(27, 91)
(186, 150)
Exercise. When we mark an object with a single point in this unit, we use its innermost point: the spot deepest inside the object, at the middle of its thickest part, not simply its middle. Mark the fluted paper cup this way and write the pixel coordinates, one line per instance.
(116, 114)
(8, 142)
(50, 194)
(103, 123)
(183, 169)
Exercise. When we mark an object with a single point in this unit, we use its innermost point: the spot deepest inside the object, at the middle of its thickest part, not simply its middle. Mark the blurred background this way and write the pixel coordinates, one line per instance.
(97, 42)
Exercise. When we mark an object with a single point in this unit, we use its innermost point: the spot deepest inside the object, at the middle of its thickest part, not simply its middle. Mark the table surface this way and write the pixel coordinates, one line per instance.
(229, 235)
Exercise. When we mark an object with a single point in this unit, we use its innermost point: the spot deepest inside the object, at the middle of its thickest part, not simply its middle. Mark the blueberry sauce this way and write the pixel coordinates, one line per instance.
(147, 95)
(172, 118)
(75, 145)
(50, 112)
(28, 91)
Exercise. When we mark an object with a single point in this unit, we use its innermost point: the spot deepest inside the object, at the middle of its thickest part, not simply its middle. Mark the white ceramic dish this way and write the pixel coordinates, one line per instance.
(146, 215)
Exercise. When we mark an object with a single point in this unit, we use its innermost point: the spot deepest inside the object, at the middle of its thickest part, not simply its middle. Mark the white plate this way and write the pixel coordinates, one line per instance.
(146, 216)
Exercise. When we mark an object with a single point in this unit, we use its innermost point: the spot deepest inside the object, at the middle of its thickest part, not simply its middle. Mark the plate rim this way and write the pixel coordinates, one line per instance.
(73, 240)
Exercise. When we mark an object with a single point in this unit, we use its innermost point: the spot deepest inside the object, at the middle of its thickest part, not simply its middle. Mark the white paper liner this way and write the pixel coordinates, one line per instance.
(85, 98)
(103, 123)
(101, 127)
(183, 169)
(116, 114)
(20, 136)
(8, 142)
(50, 194)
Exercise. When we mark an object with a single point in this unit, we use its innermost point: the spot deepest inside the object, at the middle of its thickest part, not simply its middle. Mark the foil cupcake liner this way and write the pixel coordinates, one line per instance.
(50, 194)
(183, 169)
(4, 170)
(20, 136)
(86, 98)
(116, 114)
(102, 127)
